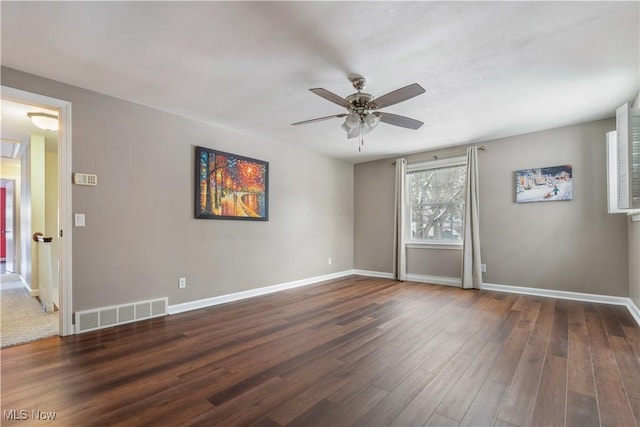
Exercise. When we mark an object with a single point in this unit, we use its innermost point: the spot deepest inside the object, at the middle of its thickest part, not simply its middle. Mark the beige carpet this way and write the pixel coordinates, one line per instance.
(21, 318)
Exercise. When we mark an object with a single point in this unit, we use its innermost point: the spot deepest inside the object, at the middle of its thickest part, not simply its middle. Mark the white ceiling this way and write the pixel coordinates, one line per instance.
(490, 69)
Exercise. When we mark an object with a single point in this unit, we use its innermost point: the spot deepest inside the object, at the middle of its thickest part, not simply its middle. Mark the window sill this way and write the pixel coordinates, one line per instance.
(434, 245)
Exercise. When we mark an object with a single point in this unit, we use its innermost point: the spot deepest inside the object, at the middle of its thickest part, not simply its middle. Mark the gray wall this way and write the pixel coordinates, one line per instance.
(141, 235)
(573, 246)
(434, 262)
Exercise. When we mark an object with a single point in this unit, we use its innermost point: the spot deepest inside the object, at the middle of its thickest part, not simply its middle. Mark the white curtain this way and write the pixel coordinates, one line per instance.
(471, 261)
(400, 258)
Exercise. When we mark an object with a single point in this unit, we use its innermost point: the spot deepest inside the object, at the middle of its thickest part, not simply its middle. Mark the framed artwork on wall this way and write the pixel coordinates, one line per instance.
(544, 184)
(228, 186)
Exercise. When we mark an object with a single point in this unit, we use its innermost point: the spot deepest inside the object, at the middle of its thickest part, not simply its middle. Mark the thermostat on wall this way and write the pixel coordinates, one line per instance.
(85, 179)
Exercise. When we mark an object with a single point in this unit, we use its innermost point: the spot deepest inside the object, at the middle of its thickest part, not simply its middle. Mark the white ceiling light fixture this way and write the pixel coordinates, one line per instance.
(371, 120)
(352, 120)
(44, 121)
(359, 123)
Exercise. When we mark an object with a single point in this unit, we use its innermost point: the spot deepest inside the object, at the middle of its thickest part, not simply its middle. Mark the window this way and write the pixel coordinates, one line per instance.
(435, 195)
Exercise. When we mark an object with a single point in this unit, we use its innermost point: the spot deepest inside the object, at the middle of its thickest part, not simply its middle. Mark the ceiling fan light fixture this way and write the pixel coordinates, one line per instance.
(352, 121)
(44, 121)
(372, 120)
(352, 132)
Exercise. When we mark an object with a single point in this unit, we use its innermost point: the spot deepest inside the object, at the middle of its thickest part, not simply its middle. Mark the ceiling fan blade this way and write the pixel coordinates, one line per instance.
(319, 119)
(402, 121)
(330, 96)
(397, 96)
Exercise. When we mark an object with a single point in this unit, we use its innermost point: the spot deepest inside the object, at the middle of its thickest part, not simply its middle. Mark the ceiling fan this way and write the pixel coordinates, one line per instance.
(362, 115)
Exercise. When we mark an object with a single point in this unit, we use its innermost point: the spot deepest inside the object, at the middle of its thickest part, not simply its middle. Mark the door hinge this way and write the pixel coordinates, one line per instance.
(61, 233)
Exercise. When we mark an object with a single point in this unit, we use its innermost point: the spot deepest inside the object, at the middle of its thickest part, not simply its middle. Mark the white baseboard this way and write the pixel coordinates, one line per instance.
(575, 296)
(634, 310)
(447, 281)
(208, 302)
(32, 292)
(369, 273)
(436, 280)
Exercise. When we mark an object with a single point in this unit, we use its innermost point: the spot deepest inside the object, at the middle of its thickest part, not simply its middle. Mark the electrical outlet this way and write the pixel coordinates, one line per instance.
(182, 282)
(483, 267)
(329, 261)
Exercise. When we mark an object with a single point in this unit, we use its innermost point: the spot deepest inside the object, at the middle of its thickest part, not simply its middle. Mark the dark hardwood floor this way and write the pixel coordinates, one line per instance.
(355, 351)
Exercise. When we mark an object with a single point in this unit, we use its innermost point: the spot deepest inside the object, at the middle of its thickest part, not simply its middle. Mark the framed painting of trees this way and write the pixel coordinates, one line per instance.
(228, 186)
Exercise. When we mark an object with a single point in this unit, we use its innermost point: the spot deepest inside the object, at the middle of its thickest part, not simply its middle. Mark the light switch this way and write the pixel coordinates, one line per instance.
(79, 220)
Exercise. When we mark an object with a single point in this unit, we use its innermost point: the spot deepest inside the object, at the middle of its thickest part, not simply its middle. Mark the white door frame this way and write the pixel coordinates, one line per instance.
(64, 196)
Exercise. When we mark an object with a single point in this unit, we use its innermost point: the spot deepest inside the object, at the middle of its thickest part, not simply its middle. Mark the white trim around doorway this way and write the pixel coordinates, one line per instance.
(64, 195)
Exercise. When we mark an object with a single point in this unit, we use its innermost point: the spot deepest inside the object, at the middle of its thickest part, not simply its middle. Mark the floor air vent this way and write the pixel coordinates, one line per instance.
(105, 317)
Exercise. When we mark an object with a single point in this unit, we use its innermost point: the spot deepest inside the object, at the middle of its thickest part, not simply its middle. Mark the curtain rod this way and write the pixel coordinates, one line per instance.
(438, 156)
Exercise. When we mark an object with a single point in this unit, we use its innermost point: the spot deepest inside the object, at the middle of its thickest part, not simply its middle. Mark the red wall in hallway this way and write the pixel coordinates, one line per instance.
(3, 221)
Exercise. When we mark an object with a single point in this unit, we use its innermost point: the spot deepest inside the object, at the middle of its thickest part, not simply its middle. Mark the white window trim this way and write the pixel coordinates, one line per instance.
(434, 164)
(431, 244)
(434, 244)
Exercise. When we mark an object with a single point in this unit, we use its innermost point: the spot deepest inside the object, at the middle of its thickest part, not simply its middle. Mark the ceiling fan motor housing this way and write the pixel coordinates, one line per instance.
(359, 103)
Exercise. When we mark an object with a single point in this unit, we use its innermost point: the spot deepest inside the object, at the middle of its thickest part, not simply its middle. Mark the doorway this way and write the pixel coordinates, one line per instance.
(58, 218)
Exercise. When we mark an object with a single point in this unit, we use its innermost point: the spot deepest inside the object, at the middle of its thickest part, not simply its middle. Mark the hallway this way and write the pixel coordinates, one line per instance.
(21, 318)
